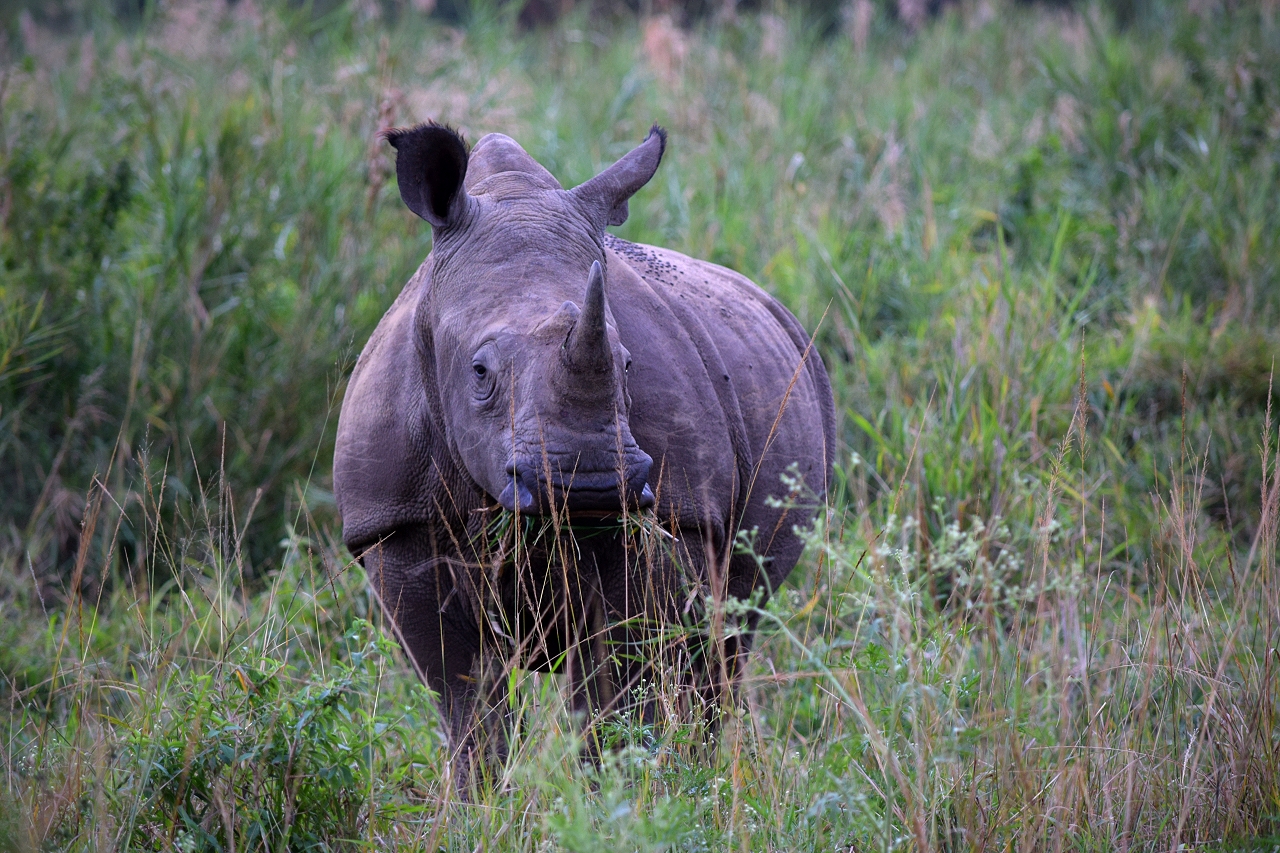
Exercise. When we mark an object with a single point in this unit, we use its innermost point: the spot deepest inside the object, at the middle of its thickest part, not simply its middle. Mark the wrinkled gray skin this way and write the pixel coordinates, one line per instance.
(537, 363)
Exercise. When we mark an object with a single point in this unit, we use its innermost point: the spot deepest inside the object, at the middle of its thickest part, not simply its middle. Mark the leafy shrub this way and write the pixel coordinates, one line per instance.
(250, 755)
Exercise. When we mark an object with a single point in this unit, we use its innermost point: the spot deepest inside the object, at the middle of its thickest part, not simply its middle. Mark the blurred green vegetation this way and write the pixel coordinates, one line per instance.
(1038, 248)
(199, 234)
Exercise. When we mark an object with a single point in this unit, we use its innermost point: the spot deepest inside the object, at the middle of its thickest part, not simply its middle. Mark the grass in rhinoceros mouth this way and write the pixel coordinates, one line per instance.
(1041, 612)
(506, 536)
(511, 542)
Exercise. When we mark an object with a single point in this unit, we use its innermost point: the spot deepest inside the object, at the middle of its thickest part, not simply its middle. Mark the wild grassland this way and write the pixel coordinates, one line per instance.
(1040, 254)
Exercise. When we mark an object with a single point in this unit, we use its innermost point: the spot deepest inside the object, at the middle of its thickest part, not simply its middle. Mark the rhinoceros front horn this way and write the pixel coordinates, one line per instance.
(587, 350)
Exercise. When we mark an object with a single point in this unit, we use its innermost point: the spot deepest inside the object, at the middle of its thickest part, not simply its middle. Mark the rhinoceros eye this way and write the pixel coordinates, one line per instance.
(482, 368)
(486, 369)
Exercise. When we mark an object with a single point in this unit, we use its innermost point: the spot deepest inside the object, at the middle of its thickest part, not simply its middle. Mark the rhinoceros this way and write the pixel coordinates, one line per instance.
(537, 372)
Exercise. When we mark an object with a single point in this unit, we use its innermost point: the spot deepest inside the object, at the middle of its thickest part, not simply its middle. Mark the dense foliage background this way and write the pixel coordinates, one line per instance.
(1038, 246)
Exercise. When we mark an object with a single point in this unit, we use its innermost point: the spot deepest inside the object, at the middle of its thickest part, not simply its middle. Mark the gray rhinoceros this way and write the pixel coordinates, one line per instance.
(537, 369)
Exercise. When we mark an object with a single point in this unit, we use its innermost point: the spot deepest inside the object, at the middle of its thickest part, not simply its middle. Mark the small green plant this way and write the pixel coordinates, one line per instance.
(249, 754)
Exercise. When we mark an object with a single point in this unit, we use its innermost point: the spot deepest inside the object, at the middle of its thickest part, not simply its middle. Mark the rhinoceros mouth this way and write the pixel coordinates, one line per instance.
(529, 490)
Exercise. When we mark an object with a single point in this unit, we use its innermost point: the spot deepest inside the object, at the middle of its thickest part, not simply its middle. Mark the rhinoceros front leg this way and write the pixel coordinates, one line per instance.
(695, 640)
(430, 600)
(630, 661)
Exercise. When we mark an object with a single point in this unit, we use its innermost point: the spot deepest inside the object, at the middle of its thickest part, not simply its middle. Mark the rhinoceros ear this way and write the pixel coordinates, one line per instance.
(431, 162)
(605, 196)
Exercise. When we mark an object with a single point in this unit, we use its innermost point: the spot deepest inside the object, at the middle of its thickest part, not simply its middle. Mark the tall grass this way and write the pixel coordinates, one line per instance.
(1039, 252)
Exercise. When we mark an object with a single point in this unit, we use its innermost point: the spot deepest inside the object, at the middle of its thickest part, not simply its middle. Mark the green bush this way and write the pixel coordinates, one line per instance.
(251, 755)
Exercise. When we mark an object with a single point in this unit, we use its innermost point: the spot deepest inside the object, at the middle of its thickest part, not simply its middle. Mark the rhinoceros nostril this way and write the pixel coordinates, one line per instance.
(643, 464)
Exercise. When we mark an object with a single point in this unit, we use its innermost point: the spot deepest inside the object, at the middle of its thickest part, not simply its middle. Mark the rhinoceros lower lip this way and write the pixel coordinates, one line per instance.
(516, 495)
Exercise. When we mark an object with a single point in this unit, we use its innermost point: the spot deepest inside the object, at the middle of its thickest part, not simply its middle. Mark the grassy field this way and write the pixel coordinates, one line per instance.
(1040, 250)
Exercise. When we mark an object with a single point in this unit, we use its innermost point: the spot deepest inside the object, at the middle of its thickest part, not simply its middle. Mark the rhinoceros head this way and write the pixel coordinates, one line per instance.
(515, 330)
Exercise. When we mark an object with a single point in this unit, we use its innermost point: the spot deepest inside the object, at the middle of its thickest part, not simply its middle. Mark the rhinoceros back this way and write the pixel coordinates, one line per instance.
(728, 396)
